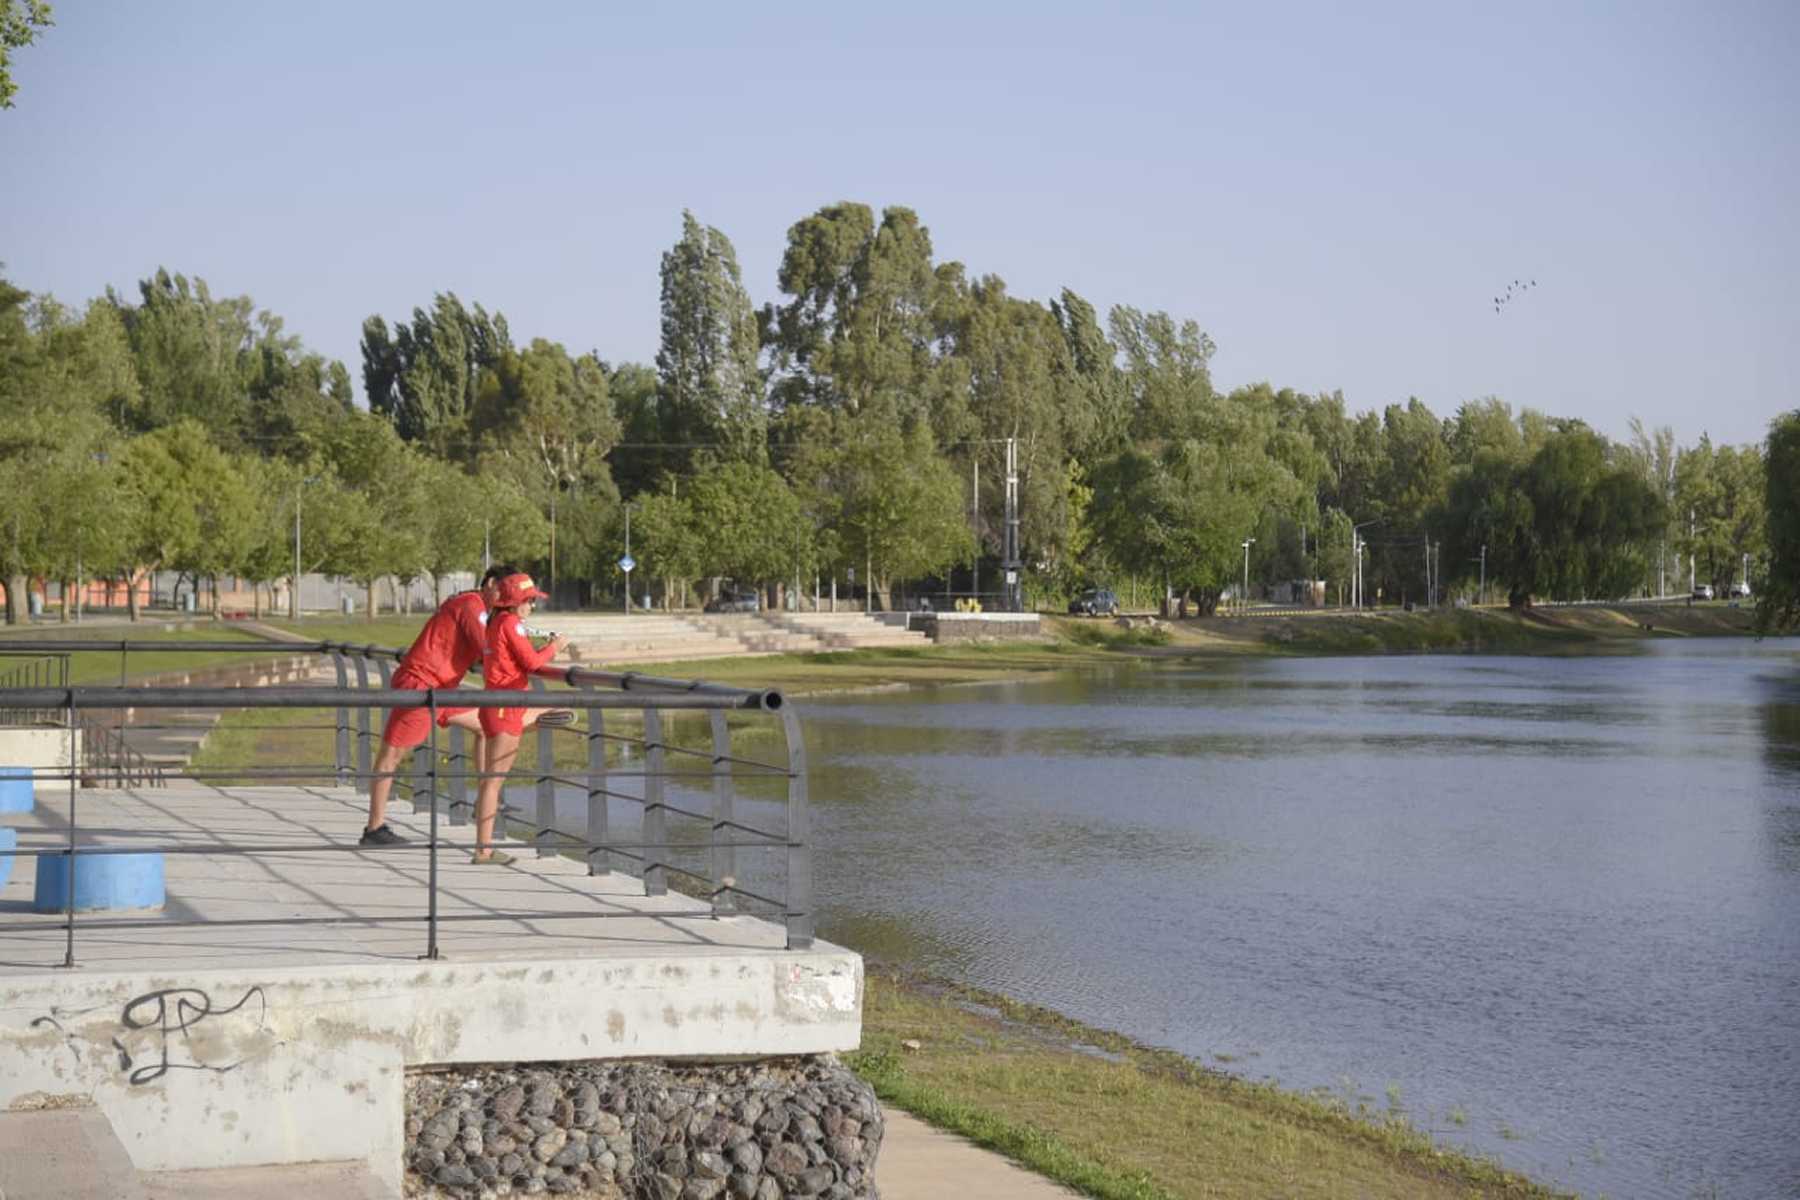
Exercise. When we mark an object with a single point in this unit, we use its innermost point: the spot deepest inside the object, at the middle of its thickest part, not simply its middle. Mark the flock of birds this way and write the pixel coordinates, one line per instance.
(1514, 290)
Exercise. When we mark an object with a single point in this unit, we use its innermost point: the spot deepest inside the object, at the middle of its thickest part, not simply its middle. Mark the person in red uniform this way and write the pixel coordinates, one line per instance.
(450, 643)
(507, 666)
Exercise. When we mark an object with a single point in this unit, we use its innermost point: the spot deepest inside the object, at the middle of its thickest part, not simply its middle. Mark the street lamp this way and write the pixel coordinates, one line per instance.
(1356, 552)
(1244, 602)
(627, 559)
(294, 592)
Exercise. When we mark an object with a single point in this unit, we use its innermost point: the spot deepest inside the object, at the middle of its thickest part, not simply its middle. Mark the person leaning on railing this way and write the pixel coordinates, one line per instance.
(451, 642)
(507, 666)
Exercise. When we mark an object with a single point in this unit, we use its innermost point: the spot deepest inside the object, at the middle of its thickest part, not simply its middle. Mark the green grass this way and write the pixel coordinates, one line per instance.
(101, 667)
(1135, 1122)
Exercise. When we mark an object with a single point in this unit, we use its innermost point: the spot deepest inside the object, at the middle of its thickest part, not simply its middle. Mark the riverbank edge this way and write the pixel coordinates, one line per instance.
(1062, 1043)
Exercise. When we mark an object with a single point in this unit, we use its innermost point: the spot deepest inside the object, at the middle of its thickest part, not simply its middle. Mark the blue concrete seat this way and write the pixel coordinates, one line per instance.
(103, 883)
(15, 790)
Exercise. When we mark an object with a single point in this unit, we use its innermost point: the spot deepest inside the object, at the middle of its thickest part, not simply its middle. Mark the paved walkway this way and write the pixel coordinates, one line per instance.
(918, 1162)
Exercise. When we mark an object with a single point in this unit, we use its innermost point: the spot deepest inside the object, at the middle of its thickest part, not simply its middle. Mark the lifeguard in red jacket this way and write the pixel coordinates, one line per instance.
(507, 665)
(451, 642)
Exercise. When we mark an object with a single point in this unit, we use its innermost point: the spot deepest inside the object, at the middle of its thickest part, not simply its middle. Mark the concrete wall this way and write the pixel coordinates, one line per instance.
(979, 627)
(240, 1067)
(32, 746)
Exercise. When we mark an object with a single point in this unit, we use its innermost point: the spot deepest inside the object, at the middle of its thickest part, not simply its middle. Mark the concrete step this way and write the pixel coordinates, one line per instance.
(64, 1154)
(296, 1181)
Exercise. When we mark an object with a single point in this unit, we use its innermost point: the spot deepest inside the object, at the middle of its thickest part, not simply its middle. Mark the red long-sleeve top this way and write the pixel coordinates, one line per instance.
(510, 657)
(451, 642)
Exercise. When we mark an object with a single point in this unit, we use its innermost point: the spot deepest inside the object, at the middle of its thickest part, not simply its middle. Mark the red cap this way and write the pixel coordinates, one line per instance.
(516, 590)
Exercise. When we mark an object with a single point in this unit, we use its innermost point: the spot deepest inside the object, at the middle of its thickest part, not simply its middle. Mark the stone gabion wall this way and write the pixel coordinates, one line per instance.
(644, 1131)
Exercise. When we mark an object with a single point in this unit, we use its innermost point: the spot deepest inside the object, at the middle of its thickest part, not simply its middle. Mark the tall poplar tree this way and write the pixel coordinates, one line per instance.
(709, 385)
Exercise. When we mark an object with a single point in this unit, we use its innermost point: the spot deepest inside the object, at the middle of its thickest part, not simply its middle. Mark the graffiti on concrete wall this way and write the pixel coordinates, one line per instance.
(177, 1012)
(169, 1029)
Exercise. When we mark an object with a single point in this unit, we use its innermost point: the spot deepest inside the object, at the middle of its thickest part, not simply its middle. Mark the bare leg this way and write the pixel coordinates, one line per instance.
(471, 721)
(502, 748)
(382, 782)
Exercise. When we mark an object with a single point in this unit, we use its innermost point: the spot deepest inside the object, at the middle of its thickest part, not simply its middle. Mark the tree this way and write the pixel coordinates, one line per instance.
(858, 332)
(1166, 378)
(669, 544)
(384, 533)
(162, 481)
(193, 356)
(425, 377)
(20, 22)
(747, 522)
(709, 387)
(1572, 521)
(1779, 608)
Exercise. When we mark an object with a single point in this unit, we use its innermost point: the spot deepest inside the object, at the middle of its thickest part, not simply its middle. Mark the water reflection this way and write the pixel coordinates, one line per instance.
(1559, 896)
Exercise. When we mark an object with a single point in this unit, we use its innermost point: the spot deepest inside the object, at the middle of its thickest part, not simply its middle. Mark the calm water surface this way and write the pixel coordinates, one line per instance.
(1550, 907)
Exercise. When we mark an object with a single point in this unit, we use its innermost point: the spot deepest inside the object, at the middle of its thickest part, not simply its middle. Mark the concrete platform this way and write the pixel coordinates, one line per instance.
(234, 1045)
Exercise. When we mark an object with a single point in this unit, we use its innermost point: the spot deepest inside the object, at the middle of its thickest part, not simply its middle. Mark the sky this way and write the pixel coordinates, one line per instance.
(1335, 193)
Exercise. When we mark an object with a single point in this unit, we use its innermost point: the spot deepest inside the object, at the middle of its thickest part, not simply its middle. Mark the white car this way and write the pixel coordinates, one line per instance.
(1703, 591)
(1741, 589)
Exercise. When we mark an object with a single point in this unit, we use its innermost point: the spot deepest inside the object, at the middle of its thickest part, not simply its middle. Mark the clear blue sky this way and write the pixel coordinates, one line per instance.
(1335, 192)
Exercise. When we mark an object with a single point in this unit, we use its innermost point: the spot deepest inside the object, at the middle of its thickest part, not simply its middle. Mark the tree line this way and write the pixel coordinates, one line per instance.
(856, 425)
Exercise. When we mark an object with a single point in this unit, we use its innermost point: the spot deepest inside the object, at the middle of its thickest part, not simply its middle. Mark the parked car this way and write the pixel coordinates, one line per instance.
(1095, 602)
(1703, 591)
(734, 600)
(1741, 589)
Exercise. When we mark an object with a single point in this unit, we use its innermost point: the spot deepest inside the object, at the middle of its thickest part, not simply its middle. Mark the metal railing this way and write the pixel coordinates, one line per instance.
(31, 669)
(101, 753)
(695, 845)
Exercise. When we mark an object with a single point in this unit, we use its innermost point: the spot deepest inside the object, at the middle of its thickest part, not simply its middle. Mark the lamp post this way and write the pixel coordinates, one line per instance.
(1244, 600)
(627, 559)
(1357, 546)
(294, 592)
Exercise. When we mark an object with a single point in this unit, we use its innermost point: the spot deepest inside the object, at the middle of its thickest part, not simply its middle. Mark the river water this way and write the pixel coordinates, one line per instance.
(1548, 906)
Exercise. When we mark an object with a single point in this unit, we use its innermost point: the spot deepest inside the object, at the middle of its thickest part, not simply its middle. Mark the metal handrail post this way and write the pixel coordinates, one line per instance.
(362, 725)
(799, 850)
(546, 787)
(596, 792)
(724, 848)
(341, 745)
(424, 768)
(655, 818)
(119, 765)
(431, 917)
(459, 778)
(69, 925)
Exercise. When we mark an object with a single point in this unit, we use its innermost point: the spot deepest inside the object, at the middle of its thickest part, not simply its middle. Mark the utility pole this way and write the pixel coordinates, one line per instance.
(1011, 562)
(627, 553)
(1483, 592)
(1428, 571)
(487, 543)
(975, 566)
(294, 592)
(1690, 552)
(1244, 602)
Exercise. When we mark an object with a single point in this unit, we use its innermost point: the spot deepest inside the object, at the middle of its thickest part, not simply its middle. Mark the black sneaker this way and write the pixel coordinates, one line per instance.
(556, 716)
(381, 835)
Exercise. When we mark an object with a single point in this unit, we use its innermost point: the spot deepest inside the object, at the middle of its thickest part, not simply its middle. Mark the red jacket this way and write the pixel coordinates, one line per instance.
(451, 642)
(510, 659)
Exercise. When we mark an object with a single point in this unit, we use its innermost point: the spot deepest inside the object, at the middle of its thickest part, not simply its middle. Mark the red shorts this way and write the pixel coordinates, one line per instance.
(409, 727)
(502, 720)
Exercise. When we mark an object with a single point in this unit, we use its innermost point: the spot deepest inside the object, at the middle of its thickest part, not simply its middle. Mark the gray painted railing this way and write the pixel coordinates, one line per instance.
(440, 773)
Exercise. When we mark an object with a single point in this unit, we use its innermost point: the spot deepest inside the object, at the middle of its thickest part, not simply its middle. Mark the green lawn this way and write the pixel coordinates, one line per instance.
(101, 666)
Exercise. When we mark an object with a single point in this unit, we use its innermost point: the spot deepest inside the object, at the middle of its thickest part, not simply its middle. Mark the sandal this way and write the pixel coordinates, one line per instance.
(493, 858)
(556, 716)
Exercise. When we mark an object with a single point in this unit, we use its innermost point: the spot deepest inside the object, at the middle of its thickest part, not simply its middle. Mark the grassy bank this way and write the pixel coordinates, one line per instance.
(1117, 1120)
(100, 667)
(1484, 630)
